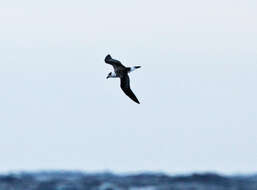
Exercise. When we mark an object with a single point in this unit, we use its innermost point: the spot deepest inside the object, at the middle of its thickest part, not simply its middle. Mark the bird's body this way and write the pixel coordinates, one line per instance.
(120, 71)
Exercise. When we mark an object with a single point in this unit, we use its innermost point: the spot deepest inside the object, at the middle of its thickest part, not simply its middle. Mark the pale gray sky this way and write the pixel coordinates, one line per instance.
(197, 85)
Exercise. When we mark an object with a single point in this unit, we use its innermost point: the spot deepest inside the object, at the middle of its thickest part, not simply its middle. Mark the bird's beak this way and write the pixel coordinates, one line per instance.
(107, 77)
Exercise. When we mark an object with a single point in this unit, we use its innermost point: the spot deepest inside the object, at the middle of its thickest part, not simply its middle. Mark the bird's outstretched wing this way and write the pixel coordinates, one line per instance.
(125, 86)
(115, 63)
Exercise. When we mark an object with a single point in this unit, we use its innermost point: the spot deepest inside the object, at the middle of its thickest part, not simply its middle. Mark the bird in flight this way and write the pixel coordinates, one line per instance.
(120, 71)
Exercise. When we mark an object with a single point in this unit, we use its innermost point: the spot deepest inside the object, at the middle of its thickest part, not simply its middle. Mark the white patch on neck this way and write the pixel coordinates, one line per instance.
(113, 75)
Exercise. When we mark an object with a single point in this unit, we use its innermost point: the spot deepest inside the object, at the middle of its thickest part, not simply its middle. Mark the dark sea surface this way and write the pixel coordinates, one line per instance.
(65, 180)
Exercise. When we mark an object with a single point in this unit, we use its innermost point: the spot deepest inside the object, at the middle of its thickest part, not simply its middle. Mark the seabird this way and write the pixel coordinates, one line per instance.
(120, 71)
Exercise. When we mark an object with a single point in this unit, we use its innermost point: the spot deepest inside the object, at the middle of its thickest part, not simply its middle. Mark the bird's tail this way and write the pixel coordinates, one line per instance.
(133, 68)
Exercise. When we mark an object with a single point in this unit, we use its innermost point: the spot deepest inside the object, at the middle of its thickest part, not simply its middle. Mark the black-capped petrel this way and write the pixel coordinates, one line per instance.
(120, 71)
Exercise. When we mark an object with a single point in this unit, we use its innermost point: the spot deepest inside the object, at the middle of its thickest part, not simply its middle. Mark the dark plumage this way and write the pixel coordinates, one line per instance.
(122, 72)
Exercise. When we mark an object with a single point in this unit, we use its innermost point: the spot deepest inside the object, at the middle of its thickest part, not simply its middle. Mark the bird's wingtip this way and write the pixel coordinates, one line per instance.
(107, 57)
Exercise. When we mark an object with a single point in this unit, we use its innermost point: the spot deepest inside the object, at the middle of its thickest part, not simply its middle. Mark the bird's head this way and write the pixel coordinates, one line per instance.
(109, 75)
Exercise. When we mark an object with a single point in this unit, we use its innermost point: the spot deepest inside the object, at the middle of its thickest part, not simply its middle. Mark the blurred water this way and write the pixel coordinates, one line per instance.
(60, 180)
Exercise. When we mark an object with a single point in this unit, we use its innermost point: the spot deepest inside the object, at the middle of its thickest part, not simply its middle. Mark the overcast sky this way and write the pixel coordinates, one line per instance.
(197, 85)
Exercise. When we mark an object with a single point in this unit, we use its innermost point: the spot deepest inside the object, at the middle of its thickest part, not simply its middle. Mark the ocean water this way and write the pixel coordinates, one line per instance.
(66, 180)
